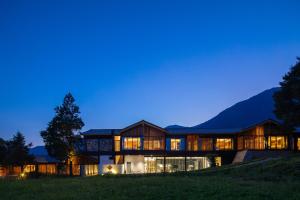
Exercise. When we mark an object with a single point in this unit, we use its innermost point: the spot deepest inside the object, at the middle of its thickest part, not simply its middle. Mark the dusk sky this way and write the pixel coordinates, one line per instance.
(168, 62)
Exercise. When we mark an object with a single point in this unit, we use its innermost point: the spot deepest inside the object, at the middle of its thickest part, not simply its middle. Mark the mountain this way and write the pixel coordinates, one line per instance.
(174, 126)
(245, 113)
(38, 151)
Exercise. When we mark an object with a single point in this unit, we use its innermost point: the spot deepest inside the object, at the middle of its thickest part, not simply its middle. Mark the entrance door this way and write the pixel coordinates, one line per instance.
(128, 167)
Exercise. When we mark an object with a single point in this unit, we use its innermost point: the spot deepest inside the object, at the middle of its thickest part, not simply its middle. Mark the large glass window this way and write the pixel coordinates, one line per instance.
(192, 142)
(91, 170)
(298, 143)
(254, 142)
(154, 164)
(132, 143)
(277, 142)
(47, 168)
(175, 144)
(197, 163)
(29, 168)
(153, 143)
(174, 164)
(205, 144)
(224, 144)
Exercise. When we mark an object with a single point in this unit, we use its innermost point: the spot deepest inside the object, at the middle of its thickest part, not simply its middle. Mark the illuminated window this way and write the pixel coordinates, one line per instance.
(153, 143)
(197, 163)
(206, 144)
(2, 171)
(192, 142)
(254, 142)
(298, 143)
(117, 143)
(29, 168)
(119, 159)
(132, 143)
(174, 164)
(218, 161)
(154, 164)
(277, 142)
(224, 144)
(175, 144)
(91, 170)
(47, 168)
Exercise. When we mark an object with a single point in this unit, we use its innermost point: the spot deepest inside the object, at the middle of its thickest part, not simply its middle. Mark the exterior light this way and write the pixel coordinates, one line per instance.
(22, 175)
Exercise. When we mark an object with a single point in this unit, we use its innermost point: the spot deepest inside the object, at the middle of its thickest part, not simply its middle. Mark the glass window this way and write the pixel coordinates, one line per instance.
(91, 170)
(254, 142)
(197, 163)
(153, 143)
(92, 145)
(119, 159)
(154, 164)
(105, 144)
(205, 144)
(132, 143)
(175, 144)
(298, 143)
(29, 168)
(47, 168)
(218, 161)
(192, 142)
(117, 143)
(224, 144)
(174, 164)
(277, 142)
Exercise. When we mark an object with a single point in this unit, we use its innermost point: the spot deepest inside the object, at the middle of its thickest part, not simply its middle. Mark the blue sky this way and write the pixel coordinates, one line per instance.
(169, 62)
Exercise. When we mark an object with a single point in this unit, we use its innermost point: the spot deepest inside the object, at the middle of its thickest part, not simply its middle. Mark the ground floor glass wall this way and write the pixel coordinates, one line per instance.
(197, 163)
(277, 142)
(91, 170)
(154, 164)
(174, 164)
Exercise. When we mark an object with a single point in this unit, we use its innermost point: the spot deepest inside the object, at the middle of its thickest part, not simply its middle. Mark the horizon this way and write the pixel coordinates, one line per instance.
(179, 63)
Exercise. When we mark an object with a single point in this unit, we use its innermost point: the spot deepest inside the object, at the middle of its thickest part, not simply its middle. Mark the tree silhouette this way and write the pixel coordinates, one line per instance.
(287, 99)
(59, 135)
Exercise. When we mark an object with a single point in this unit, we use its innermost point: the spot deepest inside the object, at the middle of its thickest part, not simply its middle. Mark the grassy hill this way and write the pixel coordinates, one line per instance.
(264, 179)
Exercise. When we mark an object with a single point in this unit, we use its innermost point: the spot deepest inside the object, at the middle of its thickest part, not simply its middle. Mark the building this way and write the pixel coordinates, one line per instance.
(147, 148)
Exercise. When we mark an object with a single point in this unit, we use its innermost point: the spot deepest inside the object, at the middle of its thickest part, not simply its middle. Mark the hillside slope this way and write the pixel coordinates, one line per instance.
(245, 113)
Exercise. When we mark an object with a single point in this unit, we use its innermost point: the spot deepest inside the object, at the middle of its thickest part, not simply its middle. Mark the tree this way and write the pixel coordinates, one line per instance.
(3, 150)
(287, 99)
(18, 151)
(59, 135)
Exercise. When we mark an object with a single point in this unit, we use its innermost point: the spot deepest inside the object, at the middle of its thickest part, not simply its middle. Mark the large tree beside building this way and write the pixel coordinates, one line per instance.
(59, 135)
(17, 151)
(287, 99)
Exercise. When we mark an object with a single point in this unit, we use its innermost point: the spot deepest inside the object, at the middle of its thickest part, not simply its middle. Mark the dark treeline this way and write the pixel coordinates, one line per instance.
(15, 152)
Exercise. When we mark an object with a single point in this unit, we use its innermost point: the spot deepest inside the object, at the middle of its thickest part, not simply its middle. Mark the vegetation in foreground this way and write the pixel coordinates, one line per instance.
(273, 179)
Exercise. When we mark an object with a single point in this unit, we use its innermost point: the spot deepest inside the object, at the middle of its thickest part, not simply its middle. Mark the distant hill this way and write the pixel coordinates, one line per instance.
(245, 113)
(174, 126)
(38, 151)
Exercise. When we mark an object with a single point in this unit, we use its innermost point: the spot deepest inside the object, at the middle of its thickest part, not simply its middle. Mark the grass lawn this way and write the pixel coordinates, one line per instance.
(274, 179)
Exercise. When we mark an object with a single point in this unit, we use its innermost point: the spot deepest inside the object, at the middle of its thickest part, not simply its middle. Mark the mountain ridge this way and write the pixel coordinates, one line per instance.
(243, 114)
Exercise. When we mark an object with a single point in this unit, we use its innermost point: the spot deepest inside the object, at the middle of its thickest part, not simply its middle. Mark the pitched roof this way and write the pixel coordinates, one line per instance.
(141, 123)
(45, 159)
(101, 132)
(183, 131)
